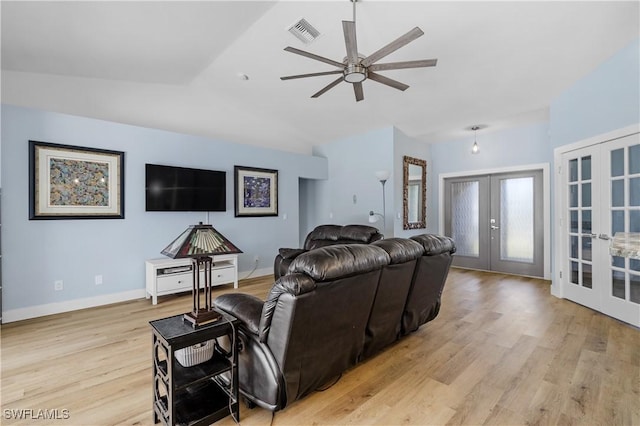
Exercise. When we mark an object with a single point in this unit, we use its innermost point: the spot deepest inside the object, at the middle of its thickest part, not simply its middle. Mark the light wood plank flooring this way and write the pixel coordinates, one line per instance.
(502, 351)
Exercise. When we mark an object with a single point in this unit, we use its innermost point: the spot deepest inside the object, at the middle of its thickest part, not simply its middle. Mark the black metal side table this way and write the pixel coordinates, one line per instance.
(201, 394)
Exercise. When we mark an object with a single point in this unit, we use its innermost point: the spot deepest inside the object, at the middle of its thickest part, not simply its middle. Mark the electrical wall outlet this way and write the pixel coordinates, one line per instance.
(58, 285)
(98, 279)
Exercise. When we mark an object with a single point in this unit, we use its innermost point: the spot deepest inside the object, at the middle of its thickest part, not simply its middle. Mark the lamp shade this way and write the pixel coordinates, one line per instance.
(383, 175)
(199, 240)
(374, 217)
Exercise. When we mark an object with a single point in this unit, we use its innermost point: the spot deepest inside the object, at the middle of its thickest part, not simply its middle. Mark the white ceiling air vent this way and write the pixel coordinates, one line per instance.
(304, 31)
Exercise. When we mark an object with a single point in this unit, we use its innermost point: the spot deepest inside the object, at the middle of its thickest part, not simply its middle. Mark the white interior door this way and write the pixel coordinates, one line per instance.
(581, 223)
(601, 196)
(621, 189)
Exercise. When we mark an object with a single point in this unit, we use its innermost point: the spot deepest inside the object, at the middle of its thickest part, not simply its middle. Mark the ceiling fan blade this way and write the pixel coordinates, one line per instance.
(388, 81)
(406, 64)
(315, 74)
(327, 87)
(349, 28)
(357, 89)
(312, 56)
(393, 46)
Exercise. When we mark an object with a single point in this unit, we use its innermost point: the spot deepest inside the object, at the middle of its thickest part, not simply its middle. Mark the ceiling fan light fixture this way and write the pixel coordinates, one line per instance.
(354, 73)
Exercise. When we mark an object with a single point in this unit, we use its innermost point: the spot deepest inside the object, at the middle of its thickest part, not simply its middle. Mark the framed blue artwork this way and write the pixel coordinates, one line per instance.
(256, 192)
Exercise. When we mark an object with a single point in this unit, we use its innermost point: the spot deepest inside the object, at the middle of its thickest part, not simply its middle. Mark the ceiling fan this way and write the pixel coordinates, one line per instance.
(356, 68)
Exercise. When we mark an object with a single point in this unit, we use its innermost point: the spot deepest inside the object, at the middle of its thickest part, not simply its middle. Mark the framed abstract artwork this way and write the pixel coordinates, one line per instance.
(256, 191)
(72, 182)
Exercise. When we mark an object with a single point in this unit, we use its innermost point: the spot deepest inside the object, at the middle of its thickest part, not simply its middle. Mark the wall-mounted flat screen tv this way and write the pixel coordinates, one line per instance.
(182, 189)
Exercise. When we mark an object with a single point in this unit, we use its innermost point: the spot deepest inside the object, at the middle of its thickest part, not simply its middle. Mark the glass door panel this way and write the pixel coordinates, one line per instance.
(465, 226)
(466, 212)
(580, 190)
(516, 218)
(516, 223)
(580, 205)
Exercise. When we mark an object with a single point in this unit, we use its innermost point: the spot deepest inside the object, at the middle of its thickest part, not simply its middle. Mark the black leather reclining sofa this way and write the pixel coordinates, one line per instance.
(323, 236)
(336, 306)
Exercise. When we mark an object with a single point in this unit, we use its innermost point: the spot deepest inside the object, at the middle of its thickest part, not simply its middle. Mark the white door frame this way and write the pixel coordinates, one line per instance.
(546, 197)
(556, 280)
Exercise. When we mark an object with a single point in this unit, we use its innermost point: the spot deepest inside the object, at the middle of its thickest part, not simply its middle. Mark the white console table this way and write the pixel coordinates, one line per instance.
(168, 276)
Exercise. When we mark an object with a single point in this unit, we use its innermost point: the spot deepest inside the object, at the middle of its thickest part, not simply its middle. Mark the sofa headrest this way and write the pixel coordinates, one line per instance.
(435, 244)
(325, 232)
(362, 233)
(355, 233)
(400, 250)
(339, 260)
(295, 284)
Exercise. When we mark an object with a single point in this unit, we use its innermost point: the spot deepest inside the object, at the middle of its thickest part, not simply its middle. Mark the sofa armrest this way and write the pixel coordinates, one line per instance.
(245, 307)
(294, 284)
(290, 253)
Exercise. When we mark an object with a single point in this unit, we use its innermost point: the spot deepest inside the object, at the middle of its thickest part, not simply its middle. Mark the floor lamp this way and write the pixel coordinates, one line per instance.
(382, 176)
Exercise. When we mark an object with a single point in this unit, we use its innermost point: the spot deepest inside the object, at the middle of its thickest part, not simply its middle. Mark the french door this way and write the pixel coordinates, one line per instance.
(496, 221)
(601, 196)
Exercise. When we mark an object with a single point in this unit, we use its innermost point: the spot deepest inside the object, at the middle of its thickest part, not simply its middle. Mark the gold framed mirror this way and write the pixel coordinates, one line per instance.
(414, 193)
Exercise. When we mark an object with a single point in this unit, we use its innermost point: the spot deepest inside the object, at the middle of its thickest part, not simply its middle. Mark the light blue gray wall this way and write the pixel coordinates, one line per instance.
(352, 189)
(353, 163)
(518, 146)
(36, 253)
(606, 99)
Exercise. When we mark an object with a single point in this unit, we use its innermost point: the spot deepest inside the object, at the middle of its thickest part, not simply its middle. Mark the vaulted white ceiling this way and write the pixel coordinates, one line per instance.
(175, 65)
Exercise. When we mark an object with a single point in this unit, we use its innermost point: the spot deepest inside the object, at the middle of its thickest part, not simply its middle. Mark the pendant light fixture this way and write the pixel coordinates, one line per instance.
(474, 148)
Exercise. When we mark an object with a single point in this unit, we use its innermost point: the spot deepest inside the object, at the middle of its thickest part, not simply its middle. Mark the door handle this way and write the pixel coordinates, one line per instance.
(493, 227)
(604, 237)
(590, 235)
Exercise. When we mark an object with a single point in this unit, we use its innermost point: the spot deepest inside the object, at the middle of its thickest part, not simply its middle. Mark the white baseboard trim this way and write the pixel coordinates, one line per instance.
(557, 292)
(29, 312)
(20, 314)
(257, 273)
